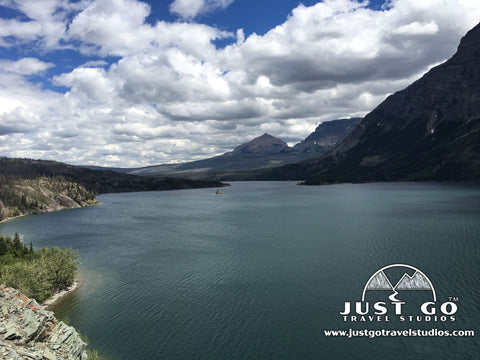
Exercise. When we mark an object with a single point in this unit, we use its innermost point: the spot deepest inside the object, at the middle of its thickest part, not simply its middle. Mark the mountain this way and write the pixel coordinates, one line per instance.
(330, 133)
(428, 131)
(262, 152)
(261, 146)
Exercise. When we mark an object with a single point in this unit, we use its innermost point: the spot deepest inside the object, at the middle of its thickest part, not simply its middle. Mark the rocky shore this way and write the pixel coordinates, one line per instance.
(61, 294)
(29, 331)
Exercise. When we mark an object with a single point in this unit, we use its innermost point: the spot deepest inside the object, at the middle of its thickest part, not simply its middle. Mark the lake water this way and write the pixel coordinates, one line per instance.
(262, 270)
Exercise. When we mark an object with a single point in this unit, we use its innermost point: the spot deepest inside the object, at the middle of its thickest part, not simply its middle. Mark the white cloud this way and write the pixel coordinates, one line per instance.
(338, 41)
(112, 27)
(89, 82)
(24, 108)
(417, 28)
(189, 9)
(25, 66)
(46, 23)
(173, 96)
(18, 29)
(118, 28)
(94, 64)
(18, 121)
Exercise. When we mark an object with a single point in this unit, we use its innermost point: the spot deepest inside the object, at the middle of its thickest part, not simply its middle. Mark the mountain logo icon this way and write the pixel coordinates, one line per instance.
(418, 281)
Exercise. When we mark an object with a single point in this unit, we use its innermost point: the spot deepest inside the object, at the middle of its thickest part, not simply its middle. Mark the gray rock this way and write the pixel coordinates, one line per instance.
(30, 332)
(12, 355)
(48, 355)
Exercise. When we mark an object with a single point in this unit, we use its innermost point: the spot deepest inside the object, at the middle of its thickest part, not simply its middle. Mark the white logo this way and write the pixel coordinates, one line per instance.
(380, 281)
(398, 278)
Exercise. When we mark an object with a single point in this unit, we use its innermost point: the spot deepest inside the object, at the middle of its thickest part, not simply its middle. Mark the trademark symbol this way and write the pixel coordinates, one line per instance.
(453, 298)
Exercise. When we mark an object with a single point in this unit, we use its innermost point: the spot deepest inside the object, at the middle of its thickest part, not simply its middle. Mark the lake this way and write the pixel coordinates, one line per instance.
(261, 271)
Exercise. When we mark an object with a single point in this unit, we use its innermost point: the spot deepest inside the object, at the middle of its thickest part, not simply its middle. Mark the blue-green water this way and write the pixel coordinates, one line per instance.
(262, 270)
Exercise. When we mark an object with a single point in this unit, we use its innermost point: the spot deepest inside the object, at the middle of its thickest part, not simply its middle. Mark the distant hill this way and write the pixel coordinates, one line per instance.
(39, 195)
(33, 186)
(428, 131)
(265, 151)
(95, 181)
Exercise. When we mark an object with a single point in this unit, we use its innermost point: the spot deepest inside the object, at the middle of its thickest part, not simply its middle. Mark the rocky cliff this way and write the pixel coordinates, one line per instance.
(33, 196)
(330, 133)
(28, 331)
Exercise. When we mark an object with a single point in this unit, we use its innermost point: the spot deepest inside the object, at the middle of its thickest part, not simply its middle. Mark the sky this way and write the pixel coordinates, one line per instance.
(130, 83)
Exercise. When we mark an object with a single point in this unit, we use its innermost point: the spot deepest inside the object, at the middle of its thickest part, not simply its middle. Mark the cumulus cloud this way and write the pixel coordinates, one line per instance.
(18, 120)
(118, 28)
(189, 9)
(112, 27)
(45, 23)
(170, 95)
(89, 82)
(24, 110)
(25, 66)
(342, 42)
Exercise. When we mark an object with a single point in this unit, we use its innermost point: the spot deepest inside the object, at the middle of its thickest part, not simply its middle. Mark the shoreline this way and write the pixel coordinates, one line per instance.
(13, 217)
(52, 300)
(47, 212)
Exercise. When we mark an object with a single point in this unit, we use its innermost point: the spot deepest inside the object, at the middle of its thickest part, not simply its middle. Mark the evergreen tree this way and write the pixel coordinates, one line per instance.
(38, 274)
(17, 245)
(4, 245)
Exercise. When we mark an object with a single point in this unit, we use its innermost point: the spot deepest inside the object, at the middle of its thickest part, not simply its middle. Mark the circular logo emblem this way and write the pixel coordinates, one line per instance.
(416, 281)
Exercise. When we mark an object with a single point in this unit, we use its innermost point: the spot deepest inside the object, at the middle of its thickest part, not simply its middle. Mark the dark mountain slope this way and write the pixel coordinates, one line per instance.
(428, 131)
(330, 133)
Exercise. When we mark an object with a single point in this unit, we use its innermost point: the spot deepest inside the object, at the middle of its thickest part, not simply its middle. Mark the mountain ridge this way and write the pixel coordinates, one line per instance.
(265, 151)
(331, 133)
(428, 131)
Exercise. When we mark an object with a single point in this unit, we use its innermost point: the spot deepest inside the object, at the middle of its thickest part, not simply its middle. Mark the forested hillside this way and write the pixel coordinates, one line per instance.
(95, 181)
(35, 186)
(31, 196)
